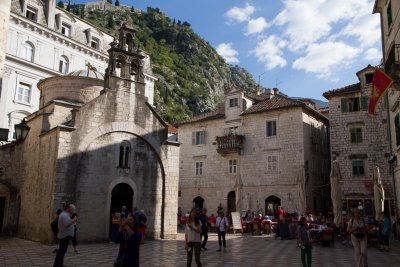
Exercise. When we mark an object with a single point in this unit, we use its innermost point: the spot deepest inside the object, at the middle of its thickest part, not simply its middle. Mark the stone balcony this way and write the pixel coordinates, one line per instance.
(229, 144)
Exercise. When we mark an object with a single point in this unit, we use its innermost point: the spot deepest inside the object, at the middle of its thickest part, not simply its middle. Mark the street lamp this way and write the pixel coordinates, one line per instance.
(21, 130)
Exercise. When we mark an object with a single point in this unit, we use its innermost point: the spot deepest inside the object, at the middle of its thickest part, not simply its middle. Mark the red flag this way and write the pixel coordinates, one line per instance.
(380, 83)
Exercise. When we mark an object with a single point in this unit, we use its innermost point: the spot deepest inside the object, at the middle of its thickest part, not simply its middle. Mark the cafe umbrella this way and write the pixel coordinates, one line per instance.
(336, 193)
(379, 193)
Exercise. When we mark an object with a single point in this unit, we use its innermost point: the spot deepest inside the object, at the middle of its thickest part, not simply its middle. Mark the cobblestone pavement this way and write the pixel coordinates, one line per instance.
(242, 250)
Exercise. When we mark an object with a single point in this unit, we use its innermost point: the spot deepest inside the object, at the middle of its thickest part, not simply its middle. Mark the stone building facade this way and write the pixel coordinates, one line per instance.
(359, 142)
(42, 41)
(248, 154)
(389, 11)
(97, 142)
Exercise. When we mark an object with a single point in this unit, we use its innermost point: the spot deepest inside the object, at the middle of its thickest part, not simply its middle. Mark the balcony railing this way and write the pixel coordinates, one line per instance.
(229, 143)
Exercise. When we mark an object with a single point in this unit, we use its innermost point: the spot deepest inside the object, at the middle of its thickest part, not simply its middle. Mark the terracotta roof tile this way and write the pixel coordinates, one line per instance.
(276, 102)
(344, 90)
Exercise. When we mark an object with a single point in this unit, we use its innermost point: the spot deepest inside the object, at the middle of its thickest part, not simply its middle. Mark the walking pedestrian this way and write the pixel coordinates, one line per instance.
(204, 228)
(74, 242)
(386, 229)
(65, 233)
(303, 239)
(222, 226)
(358, 230)
(192, 238)
(130, 236)
(54, 229)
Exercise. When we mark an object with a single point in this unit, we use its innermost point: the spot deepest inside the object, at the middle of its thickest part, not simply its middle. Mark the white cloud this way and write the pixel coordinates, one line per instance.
(256, 26)
(306, 22)
(321, 59)
(270, 52)
(373, 54)
(237, 14)
(226, 51)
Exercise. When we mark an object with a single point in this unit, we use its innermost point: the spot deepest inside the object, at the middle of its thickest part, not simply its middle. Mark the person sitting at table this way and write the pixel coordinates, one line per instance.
(321, 219)
(257, 224)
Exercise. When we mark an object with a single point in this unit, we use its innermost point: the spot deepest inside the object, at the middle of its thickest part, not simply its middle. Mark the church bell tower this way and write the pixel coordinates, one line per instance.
(125, 66)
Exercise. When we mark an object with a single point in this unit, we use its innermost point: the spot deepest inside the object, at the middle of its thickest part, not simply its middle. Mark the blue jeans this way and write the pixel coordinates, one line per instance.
(59, 260)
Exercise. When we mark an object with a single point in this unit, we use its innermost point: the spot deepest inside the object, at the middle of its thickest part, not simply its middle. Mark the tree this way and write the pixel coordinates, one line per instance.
(109, 1)
(132, 9)
(69, 6)
(185, 23)
(116, 3)
(82, 12)
(60, 4)
(110, 22)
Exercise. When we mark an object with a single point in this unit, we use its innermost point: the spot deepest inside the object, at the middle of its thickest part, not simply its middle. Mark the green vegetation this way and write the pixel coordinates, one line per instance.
(192, 77)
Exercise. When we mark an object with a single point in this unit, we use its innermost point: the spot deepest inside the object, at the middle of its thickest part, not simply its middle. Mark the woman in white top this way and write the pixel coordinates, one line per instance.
(358, 229)
(222, 226)
(192, 238)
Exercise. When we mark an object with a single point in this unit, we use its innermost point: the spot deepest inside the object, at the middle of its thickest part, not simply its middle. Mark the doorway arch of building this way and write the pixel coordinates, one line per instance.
(231, 202)
(120, 185)
(198, 203)
(9, 208)
(271, 205)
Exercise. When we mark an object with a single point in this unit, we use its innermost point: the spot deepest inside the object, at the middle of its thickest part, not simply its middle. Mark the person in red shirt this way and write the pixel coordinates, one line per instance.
(281, 213)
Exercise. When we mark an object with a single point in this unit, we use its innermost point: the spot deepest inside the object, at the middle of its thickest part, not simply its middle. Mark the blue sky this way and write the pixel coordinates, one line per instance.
(303, 47)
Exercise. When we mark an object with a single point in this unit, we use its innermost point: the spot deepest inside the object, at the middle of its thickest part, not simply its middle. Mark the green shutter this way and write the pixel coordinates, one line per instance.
(364, 103)
(193, 138)
(343, 105)
(353, 135)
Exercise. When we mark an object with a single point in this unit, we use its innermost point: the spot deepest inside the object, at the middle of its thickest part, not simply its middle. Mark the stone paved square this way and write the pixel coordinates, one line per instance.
(242, 250)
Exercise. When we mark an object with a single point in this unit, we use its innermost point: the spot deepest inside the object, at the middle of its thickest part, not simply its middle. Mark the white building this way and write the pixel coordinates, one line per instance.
(43, 41)
(248, 154)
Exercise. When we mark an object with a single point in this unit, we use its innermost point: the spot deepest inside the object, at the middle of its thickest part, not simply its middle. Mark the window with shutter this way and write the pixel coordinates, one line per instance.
(356, 135)
(364, 103)
(198, 138)
(397, 128)
(343, 105)
(271, 128)
(358, 167)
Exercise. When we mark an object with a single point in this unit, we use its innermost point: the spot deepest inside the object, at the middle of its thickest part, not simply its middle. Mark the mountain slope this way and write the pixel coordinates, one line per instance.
(192, 77)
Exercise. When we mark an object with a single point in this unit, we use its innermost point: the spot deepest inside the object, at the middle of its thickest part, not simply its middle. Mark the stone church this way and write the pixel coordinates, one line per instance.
(97, 142)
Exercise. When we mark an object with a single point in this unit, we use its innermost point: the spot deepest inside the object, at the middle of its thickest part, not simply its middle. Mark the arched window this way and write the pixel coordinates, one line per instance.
(29, 51)
(63, 65)
(124, 155)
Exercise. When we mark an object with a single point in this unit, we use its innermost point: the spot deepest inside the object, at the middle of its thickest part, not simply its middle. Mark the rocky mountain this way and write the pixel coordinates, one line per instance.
(192, 77)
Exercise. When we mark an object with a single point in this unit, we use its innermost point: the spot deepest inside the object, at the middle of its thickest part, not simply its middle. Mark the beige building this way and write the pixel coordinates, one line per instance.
(359, 142)
(248, 154)
(389, 11)
(97, 142)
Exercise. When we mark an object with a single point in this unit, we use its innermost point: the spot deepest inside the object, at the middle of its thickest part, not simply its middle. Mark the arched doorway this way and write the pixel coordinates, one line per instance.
(231, 201)
(198, 203)
(271, 205)
(121, 195)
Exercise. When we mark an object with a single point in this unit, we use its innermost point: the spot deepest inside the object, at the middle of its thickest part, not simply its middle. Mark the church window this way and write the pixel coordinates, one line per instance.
(24, 93)
(63, 65)
(31, 13)
(28, 51)
(124, 155)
